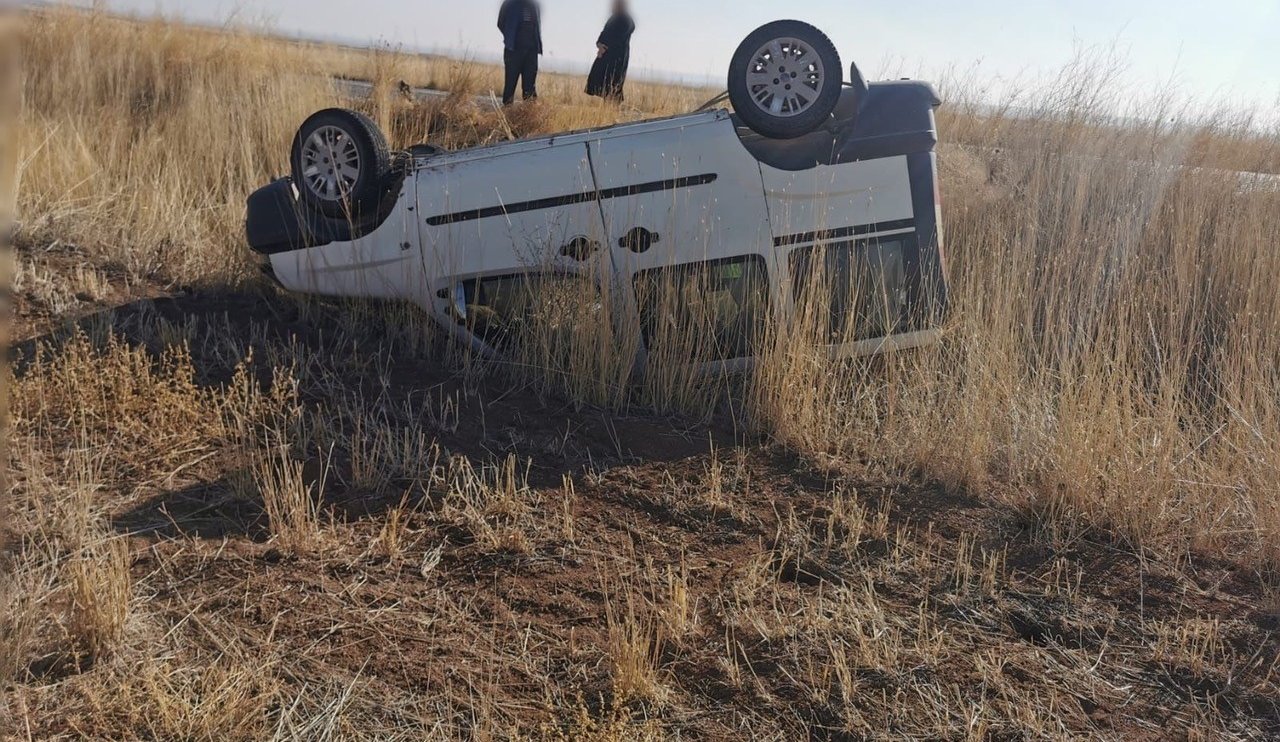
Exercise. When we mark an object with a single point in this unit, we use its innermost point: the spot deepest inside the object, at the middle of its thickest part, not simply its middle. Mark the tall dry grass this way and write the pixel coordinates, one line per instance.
(1110, 363)
(1111, 357)
(137, 141)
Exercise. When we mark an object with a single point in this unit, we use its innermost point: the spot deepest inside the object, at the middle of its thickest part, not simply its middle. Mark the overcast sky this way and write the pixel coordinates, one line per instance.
(1216, 51)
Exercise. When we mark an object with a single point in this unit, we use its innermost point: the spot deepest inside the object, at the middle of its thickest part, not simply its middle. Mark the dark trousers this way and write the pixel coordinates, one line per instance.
(521, 64)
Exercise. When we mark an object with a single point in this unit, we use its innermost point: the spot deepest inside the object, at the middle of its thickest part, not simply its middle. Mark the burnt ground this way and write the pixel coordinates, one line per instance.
(657, 576)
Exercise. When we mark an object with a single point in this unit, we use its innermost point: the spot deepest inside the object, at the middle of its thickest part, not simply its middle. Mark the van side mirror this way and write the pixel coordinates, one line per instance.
(857, 81)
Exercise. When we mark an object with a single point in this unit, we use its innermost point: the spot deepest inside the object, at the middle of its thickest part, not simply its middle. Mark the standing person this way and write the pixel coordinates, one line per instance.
(521, 24)
(613, 54)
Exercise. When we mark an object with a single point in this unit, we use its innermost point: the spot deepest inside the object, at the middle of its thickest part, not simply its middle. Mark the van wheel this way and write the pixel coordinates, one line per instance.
(340, 162)
(785, 79)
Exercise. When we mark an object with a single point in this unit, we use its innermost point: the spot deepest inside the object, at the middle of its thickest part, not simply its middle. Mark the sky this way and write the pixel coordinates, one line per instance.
(1218, 52)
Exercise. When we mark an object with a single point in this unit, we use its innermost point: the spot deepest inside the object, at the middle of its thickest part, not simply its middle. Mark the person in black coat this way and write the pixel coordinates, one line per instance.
(613, 54)
(521, 24)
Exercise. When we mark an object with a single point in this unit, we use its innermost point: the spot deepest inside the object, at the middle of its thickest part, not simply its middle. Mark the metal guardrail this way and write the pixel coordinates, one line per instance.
(363, 89)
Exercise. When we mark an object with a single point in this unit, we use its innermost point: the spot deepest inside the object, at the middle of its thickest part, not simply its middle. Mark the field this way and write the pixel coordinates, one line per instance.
(231, 513)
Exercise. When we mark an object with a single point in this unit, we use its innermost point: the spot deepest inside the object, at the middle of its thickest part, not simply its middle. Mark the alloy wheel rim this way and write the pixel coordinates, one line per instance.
(786, 77)
(330, 163)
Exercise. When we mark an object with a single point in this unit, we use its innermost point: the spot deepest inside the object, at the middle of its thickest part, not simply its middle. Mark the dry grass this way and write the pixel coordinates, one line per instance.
(236, 515)
(1120, 315)
(289, 500)
(99, 165)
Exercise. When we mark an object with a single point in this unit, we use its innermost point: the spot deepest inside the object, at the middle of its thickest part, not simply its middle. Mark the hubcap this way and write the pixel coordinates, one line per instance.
(785, 77)
(330, 163)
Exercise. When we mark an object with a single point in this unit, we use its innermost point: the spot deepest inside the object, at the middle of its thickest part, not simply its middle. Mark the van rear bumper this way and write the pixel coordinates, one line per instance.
(275, 222)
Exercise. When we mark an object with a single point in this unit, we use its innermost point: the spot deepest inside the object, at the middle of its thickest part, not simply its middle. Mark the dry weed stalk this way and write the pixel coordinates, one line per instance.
(291, 502)
(496, 506)
(635, 643)
(24, 594)
(101, 589)
(67, 600)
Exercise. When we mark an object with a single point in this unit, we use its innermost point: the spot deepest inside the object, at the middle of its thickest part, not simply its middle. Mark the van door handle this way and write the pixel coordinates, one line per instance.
(639, 240)
(579, 248)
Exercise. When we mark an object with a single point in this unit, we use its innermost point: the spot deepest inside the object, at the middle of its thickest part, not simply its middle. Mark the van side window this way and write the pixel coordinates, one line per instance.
(500, 310)
(709, 311)
(853, 290)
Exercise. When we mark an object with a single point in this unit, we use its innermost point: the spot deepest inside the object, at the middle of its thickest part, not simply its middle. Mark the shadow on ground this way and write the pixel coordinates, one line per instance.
(484, 417)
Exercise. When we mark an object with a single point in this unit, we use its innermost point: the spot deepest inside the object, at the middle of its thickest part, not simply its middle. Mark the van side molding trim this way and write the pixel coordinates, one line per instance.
(835, 234)
(571, 199)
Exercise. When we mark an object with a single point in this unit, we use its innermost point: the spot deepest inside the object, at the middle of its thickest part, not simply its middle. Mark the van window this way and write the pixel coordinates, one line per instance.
(853, 290)
(698, 312)
(501, 310)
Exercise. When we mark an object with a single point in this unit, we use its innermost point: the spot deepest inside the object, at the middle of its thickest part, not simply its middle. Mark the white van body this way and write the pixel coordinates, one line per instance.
(619, 203)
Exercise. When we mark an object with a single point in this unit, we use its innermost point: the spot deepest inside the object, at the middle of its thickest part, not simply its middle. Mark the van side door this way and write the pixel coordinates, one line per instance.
(493, 223)
(684, 218)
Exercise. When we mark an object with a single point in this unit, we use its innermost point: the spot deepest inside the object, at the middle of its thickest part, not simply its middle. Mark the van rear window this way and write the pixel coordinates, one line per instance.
(855, 290)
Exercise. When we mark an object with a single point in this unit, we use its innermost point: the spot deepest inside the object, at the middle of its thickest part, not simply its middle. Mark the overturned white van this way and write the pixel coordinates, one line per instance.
(809, 173)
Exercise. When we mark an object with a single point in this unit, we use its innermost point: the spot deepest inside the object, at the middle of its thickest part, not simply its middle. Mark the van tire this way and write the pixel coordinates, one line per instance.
(760, 82)
(340, 163)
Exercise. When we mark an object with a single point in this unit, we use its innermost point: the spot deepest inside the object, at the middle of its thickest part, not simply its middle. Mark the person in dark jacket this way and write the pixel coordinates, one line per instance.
(613, 54)
(521, 24)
